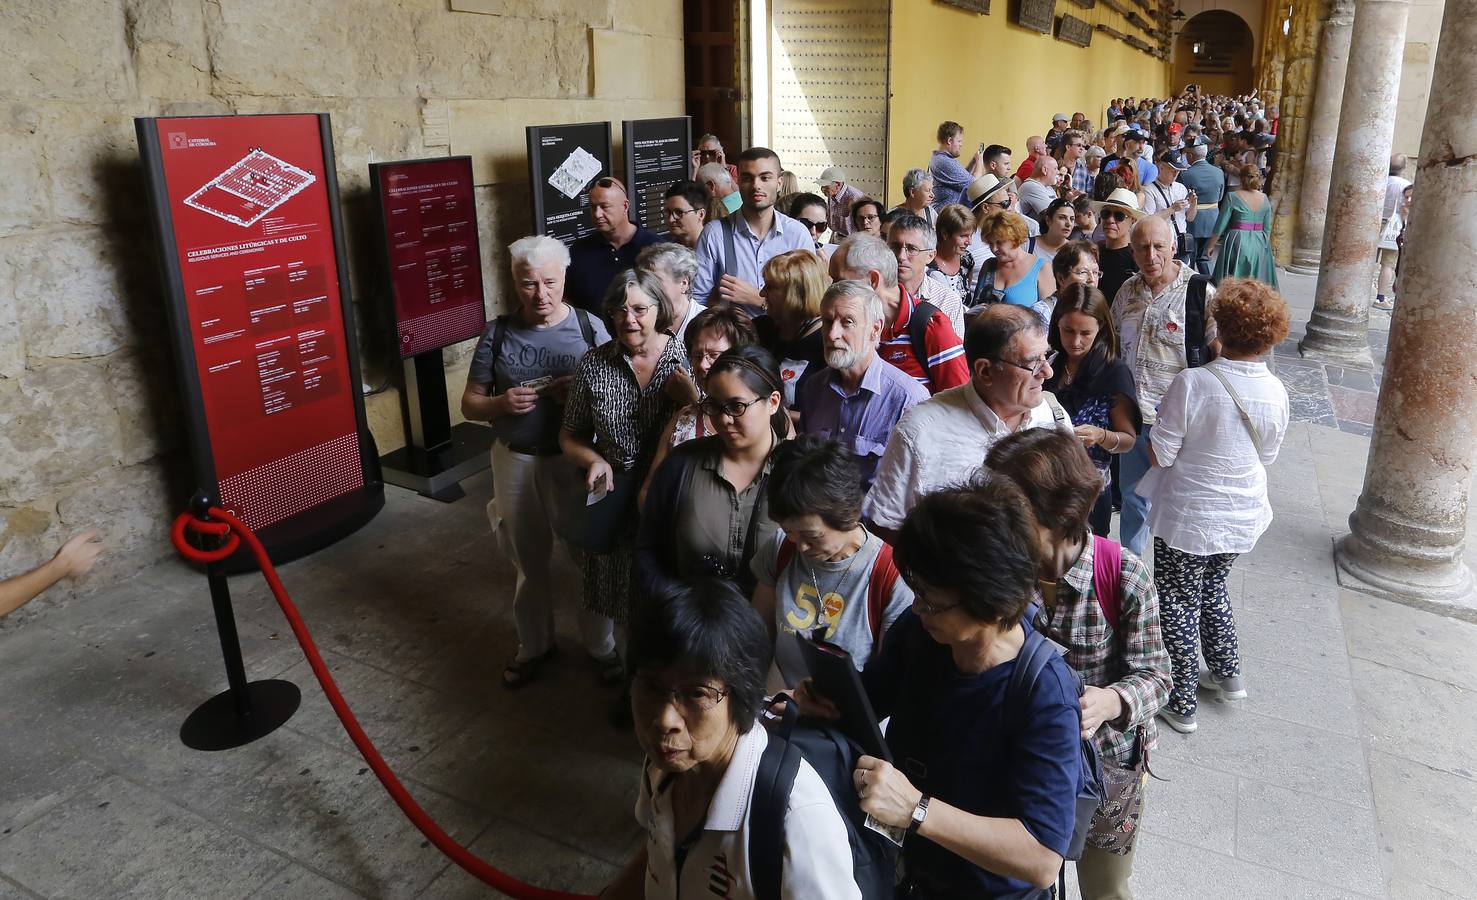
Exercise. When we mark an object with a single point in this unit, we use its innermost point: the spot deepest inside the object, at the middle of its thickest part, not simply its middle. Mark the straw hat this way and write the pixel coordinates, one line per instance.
(983, 188)
(1121, 199)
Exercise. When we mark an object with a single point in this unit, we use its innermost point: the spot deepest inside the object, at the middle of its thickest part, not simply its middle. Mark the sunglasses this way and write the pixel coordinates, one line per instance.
(813, 226)
(1113, 215)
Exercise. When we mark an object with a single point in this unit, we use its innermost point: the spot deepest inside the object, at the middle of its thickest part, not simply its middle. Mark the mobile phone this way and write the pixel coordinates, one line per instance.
(982, 149)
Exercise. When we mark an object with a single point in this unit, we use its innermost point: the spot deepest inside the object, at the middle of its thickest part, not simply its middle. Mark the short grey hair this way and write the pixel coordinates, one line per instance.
(914, 179)
(917, 224)
(539, 250)
(716, 173)
(1199, 150)
(854, 289)
(865, 253)
(674, 259)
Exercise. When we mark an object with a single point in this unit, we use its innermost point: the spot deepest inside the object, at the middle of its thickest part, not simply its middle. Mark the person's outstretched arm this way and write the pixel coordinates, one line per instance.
(75, 559)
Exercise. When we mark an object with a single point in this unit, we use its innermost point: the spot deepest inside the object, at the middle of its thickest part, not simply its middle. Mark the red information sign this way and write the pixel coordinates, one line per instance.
(435, 264)
(253, 246)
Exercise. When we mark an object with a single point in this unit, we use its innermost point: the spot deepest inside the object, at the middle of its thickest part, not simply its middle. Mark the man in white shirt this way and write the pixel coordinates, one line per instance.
(1150, 314)
(1166, 198)
(942, 441)
(1395, 187)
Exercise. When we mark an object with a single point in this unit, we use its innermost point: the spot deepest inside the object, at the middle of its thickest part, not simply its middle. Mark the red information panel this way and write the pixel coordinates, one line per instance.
(253, 239)
(435, 263)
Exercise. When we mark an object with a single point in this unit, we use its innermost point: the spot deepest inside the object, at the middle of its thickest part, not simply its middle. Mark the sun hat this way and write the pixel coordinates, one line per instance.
(984, 187)
(1121, 199)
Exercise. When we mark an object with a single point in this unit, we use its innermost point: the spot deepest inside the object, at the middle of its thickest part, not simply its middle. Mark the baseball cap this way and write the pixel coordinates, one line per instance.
(1060, 117)
(1175, 160)
(1134, 134)
(834, 173)
(1175, 128)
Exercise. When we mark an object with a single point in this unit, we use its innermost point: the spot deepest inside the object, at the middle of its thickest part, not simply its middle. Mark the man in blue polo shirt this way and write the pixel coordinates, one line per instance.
(950, 178)
(859, 398)
(732, 252)
(596, 258)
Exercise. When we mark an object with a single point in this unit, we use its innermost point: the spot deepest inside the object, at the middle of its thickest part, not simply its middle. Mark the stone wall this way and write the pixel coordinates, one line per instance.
(90, 430)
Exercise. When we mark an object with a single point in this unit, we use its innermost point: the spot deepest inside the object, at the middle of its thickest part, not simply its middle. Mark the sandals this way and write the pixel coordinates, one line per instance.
(609, 669)
(519, 672)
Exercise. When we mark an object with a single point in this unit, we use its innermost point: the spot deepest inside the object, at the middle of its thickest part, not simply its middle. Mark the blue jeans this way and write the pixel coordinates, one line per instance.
(1132, 466)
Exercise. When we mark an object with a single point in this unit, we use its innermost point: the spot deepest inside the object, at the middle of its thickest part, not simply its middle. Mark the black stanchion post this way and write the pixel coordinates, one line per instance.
(246, 710)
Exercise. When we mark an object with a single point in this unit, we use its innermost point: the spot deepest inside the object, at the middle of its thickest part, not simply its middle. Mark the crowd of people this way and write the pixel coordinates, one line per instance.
(900, 432)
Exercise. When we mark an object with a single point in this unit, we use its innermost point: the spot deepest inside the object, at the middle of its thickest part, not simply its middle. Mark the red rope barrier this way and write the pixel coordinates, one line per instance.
(234, 531)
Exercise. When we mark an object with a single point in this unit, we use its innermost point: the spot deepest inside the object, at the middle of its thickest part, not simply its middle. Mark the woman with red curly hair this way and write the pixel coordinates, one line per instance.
(1219, 427)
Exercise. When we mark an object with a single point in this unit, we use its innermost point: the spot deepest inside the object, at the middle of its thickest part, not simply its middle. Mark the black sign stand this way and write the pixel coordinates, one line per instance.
(549, 146)
(658, 152)
(437, 456)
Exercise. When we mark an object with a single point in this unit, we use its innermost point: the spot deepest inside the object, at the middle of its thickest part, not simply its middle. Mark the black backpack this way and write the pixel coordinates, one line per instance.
(1197, 353)
(1035, 654)
(833, 756)
(923, 313)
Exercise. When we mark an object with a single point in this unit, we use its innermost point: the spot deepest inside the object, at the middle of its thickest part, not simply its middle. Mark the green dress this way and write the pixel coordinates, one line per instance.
(1244, 236)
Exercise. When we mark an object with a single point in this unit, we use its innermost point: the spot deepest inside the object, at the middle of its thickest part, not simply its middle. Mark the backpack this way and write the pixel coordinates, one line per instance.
(1196, 352)
(500, 331)
(879, 586)
(833, 756)
(918, 328)
(1107, 578)
(1035, 654)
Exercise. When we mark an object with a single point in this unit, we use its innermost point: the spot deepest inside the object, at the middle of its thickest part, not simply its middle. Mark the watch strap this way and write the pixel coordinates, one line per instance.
(920, 812)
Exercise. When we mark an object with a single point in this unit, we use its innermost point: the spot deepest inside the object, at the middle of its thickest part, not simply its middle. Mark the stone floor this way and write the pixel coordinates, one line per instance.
(1347, 773)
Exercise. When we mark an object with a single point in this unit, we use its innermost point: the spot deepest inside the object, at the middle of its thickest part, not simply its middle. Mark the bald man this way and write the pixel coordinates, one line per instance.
(596, 258)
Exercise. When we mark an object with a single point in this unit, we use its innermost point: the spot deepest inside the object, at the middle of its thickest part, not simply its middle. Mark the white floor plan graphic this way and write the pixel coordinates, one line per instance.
(252, 187)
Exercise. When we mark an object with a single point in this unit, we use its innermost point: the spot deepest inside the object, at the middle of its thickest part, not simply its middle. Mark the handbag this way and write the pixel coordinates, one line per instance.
(598, 527)
(1116, 823)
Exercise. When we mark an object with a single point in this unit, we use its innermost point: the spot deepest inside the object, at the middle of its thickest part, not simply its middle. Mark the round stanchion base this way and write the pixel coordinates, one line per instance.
(216, 724)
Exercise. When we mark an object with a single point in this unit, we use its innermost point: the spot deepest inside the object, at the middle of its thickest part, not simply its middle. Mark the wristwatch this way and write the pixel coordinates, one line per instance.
(920, 812)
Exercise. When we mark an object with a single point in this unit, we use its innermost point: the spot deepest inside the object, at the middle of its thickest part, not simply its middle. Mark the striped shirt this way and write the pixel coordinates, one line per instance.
(1131, 660)
(946, 365)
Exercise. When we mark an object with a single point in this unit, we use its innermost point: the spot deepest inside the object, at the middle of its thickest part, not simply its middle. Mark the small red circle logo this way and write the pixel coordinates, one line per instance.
(1172, 327)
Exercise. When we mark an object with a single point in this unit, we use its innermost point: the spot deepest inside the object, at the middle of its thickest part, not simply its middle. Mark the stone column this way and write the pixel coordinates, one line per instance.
(1410, 525)
(1328, 94)
(1361, 163)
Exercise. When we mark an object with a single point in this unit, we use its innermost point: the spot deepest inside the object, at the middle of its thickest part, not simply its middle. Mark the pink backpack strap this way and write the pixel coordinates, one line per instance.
(1107, 577)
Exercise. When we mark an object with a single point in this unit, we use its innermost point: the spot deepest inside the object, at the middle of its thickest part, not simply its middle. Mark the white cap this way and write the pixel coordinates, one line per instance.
(832, 174)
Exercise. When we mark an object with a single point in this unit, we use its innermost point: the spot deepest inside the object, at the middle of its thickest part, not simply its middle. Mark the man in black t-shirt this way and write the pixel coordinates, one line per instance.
(596, 258)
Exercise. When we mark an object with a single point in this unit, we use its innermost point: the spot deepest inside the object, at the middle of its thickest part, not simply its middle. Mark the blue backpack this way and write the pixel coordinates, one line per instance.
(833, 756)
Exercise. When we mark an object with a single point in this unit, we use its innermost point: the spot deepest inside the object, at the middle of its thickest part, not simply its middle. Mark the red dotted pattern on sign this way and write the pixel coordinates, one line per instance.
(268, 494)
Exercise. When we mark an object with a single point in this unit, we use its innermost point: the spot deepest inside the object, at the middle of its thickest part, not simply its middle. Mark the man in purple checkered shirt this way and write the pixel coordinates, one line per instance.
(1074, 163)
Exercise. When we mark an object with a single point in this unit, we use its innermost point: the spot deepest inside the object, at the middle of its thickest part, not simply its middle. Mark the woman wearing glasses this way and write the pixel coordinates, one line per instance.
(699, 659)
(1094, 385)
(623, 392)
(706, 514)
(1117, 214)
(986, 787)
(866, 217)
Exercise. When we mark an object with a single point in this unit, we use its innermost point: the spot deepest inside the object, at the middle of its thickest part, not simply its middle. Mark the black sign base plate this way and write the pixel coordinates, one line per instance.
(217, 724)
(437, 473)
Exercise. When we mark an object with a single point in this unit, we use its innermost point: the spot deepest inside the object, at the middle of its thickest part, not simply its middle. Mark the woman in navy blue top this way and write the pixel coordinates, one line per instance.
(987, 793)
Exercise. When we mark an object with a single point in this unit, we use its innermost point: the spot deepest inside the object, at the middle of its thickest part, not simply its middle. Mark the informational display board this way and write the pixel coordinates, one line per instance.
(428, 223)
(246, 209)
(658, 152)
(563, 161)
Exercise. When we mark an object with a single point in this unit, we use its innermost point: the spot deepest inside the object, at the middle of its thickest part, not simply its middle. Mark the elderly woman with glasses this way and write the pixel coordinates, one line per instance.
(988, 781)
(918, 196)
(706, 514)
(623, 392)
(866, 217)
(699, 659)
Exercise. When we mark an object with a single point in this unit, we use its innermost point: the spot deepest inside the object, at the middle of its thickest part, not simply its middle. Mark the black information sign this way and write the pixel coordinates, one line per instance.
(1073, 30)
(975, 6)
(658, 152)
(1037, 15)
(563, 161)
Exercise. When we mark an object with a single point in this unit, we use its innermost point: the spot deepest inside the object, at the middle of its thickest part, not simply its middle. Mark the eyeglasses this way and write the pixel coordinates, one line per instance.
(813, 226)
(1035, 367)
(906, 249)
(691, 700)
(1087, 274)
(676, 214)
(1113, 215)
(868, 217)
(731, 408)
(928, 610)
(639, 311)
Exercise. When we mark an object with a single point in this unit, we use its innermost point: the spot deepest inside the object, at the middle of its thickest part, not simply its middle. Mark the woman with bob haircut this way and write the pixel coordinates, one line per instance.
(866, 217)
(1014, 274)
(989, 793)
(1094, 385)
(623, 392)
(699, 659)
(1122, 659)
(794, 283)
(827, 569)
(956, 258)
(1076, 263)
(1219, 427)
(706, 515)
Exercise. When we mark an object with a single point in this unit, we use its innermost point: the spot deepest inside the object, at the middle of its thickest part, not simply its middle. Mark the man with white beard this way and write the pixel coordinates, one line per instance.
(860, 397)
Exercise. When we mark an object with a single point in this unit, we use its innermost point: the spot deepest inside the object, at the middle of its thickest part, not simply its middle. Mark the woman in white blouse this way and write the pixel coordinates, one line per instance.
(1219, 427)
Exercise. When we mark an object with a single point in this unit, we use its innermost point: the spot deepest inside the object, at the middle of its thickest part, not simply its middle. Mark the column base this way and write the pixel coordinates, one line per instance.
(1311, 347)
(1337, 338)
(1447, 590)
(1304, 262)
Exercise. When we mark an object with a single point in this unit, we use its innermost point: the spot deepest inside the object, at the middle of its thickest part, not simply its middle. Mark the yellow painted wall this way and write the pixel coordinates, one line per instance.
(998, 80)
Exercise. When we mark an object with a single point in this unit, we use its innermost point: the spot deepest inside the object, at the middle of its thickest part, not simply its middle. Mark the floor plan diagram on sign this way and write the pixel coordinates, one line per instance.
(252, 187)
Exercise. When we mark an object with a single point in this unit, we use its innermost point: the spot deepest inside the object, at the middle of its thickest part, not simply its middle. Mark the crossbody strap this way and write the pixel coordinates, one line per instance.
(1256, 438)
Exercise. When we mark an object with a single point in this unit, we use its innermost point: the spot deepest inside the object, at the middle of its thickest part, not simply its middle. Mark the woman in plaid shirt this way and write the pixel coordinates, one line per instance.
(1109, 622)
